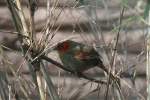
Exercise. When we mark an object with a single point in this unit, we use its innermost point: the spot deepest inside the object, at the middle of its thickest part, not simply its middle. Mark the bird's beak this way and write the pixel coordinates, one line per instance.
(55, 47)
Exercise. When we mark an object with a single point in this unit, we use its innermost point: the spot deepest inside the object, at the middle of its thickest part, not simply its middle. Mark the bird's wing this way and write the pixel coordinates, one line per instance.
(86, 54)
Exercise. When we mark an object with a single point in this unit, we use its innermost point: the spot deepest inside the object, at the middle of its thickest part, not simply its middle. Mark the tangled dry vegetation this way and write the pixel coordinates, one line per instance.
(94, 23)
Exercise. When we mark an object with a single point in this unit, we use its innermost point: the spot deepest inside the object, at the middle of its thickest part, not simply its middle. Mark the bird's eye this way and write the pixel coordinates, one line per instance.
(65, 45)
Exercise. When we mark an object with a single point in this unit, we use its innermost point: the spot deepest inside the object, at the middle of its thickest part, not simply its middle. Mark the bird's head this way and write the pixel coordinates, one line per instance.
(63, 46)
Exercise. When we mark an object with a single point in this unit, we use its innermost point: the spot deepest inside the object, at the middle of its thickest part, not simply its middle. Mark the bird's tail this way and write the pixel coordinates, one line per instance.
(112, 77)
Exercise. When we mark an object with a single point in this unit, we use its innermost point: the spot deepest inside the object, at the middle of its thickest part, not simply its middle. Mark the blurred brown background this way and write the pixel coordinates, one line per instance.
(74, 19)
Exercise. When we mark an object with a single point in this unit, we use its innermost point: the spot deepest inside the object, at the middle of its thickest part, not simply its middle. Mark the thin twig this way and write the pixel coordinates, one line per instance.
(114, 52)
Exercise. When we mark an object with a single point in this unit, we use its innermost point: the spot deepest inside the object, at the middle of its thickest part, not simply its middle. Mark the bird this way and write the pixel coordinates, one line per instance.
(79, 57)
